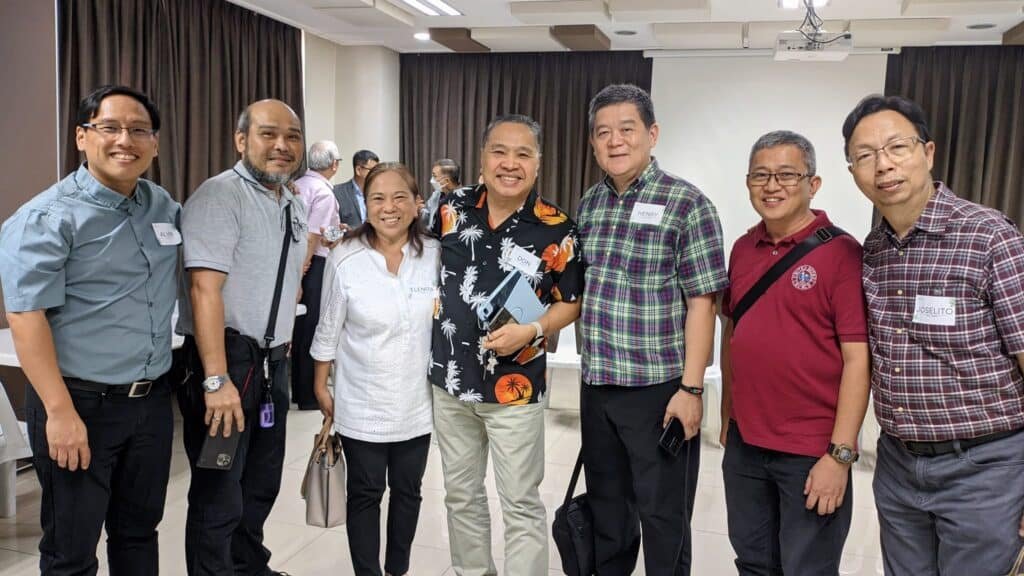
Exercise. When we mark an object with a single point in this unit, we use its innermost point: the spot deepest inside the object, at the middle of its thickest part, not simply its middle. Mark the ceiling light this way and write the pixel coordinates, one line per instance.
(794, 4)
(625, 32)
(422, 36)
(982, 26)
(444, 7)
(431, 7)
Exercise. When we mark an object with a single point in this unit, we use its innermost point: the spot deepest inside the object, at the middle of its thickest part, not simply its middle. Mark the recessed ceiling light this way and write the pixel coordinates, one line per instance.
(794, 4)
(422, 36)
(431, 7)
(982, 26)
(625, 32)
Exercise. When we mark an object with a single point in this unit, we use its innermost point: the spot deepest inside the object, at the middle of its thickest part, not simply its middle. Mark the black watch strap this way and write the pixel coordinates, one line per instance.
(691, 389)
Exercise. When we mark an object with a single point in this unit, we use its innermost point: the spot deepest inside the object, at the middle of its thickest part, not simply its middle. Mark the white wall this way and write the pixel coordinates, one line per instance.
(351, 95)
(711, 110)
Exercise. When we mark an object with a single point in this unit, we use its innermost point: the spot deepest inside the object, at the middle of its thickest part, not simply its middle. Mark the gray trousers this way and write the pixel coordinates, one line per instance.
(954, 514)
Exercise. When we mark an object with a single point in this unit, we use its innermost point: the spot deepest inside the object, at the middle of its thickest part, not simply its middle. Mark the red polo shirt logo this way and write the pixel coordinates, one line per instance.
(804, 277)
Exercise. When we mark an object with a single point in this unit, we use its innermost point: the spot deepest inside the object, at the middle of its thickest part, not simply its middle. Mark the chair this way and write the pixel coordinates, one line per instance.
(13, 445)
(565, 357)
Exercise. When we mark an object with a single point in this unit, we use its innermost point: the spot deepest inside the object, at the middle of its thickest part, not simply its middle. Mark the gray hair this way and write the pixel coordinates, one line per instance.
(322, 155)
(787, 138)
(619, 94)
(530, 123)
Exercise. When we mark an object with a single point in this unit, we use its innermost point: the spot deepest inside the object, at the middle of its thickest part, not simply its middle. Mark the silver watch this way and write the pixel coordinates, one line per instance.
(213, 383)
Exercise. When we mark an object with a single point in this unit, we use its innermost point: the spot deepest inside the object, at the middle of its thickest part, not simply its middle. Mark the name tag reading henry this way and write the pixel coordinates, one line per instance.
(647, 213)
(935, 310)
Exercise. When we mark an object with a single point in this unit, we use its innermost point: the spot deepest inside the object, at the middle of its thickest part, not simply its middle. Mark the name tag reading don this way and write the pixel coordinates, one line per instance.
(524, 261)
(166, 234)
(935, 310)
(647, 213)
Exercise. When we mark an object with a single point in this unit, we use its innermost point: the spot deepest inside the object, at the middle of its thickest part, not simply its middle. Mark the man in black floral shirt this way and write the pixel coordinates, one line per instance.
(489, 386)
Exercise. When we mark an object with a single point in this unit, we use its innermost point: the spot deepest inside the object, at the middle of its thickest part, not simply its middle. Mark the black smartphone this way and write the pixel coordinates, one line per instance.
(673, 437)
(218, 452)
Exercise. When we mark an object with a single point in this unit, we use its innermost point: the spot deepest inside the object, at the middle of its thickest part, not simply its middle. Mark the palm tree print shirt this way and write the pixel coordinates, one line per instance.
(474, 260)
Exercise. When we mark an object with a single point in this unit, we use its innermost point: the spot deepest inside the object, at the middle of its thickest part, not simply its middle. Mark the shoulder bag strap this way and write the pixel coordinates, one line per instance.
(268, 336)
(575, 477)
(820, 237)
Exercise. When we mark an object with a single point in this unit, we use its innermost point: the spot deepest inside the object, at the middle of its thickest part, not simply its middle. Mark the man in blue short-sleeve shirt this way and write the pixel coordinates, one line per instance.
(88, 269)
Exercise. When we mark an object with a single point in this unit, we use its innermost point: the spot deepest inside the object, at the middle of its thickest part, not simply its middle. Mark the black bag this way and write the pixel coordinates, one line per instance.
(573, 530)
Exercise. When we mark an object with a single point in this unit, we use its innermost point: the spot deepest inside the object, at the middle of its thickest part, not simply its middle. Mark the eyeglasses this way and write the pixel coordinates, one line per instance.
(783, 178)
(112, 131)
(898, 150)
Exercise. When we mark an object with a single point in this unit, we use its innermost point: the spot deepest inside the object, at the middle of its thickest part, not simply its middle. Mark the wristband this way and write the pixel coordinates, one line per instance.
(538, 328)
(695, 390)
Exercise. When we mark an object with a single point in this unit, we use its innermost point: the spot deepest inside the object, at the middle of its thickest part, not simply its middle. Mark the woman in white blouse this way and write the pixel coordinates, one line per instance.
(379, 290)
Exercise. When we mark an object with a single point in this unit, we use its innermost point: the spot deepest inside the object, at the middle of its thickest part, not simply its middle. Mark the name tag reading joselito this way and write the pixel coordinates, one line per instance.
(935, 310)
(166, 234)
(524, 261)
(647, 213)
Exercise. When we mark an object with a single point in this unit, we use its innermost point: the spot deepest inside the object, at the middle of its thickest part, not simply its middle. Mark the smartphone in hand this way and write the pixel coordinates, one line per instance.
(673, 437)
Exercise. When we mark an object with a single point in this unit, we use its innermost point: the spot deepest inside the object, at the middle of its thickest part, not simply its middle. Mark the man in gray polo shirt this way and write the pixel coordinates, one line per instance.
(88, 272)
(233, 227)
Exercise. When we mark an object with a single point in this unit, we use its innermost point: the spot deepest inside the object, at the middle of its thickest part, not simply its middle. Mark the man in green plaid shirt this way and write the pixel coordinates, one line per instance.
(653, 245)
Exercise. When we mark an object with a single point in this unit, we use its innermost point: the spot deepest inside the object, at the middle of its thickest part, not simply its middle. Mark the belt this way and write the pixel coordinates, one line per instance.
(137, 389)
(949, 446)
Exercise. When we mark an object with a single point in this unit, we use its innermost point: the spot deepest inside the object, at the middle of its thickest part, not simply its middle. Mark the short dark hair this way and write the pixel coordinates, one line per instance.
(451, 169)
(90, 105)
(416, 229)
(362, 157)
(523, 119)
(618, 94)
(787, 138)
(902, 105)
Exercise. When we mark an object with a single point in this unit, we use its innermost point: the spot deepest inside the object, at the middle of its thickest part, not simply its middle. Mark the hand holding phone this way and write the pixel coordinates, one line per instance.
(673, 437)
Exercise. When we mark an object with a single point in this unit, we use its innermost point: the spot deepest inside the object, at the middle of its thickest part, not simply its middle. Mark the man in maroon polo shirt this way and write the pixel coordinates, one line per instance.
(795, 375)
(944, 283)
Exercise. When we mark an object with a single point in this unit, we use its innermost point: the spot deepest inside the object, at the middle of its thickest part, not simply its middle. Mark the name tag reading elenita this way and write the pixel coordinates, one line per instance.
(647, 213)
(935, 310)
(166, 234)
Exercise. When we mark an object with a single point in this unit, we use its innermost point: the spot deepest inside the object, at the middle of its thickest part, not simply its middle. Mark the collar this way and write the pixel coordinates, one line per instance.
(355, 185)
(318, 176)
(477, 198)
(95, 190)
(760, 232)
(935, 215)
(649, 174)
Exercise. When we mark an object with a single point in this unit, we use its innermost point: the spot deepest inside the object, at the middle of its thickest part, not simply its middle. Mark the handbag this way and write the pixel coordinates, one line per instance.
(1018, 566)
(573, 530)
(323, 486)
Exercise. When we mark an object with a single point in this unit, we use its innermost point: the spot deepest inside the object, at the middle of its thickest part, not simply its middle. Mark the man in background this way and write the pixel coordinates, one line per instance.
(351, 202)
(445, 176)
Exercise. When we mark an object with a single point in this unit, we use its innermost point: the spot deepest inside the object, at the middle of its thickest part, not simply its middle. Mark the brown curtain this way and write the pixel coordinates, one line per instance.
(448, 99)
(201, 61)
(974, 98)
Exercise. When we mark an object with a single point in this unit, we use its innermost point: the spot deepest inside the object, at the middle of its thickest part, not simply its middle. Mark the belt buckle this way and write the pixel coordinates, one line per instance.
(140, 389)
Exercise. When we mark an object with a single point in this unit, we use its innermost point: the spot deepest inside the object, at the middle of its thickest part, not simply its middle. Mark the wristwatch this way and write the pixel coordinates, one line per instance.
(843, 453)
(213, 383)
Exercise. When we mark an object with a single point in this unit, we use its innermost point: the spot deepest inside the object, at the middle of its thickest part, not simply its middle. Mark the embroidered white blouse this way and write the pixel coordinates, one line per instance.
(376, 327)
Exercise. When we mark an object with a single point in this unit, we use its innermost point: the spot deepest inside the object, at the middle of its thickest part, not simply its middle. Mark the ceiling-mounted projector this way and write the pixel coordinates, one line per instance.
(816, 47)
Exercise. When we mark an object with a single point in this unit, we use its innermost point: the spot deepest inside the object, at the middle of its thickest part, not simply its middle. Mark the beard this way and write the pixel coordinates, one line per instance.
(262, 177)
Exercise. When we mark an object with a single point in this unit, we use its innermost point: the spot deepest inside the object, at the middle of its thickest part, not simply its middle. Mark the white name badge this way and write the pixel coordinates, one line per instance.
(524, 261)
(935, 310)
(647, 213)
(166, 234)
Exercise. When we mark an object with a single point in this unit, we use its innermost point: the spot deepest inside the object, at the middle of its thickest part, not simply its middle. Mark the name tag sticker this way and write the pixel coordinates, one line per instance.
(935, 310)
(524, 261)
(166, 234)
(647, 213)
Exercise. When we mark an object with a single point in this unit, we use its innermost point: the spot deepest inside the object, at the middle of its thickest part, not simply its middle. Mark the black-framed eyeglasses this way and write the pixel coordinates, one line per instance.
(783, 178)
(114, 130)
(898, 150)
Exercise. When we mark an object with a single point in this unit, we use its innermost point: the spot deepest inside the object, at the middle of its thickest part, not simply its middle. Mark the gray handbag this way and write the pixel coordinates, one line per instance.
(323, 487)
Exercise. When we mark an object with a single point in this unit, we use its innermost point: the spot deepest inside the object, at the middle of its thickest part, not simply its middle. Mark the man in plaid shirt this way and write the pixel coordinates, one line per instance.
(944, 283)
(653, 245)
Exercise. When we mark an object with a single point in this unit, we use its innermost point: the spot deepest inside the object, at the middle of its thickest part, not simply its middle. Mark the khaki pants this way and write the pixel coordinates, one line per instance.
(515, 435)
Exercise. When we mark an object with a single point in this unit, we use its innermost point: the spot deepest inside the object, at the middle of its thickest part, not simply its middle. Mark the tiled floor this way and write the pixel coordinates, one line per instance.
(305, 551)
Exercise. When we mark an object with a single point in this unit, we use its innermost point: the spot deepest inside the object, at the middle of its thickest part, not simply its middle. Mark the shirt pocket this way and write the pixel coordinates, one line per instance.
(649, 257)
(969, 310)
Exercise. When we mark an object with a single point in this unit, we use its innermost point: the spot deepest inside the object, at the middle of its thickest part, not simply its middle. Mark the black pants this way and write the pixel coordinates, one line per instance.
(124, 486)
(633, 483)
(770, 529)
(227, 509)
(302, 336)
(371, 465)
